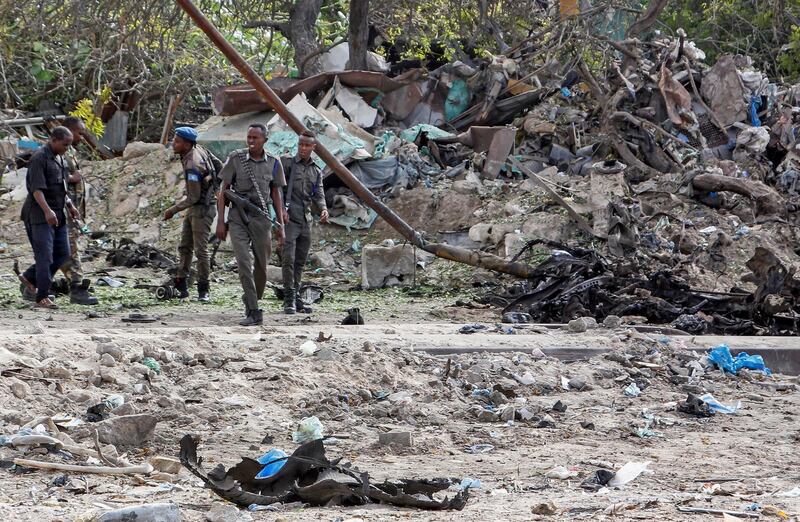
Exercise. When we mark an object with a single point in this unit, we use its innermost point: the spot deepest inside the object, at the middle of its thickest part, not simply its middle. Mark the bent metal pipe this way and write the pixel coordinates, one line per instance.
(478, 259)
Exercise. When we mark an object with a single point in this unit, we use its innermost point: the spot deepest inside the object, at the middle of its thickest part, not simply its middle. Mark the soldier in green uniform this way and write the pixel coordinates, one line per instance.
(304, 188)
(76, 189)
(255, 175)
(200, 205)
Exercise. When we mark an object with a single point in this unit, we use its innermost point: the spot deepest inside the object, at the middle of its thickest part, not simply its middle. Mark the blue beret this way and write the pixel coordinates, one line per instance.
(186, 133)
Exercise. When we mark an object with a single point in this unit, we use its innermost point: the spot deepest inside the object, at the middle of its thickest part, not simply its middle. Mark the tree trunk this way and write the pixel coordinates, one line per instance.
(358, 34)
(768, 202)
(302, 33)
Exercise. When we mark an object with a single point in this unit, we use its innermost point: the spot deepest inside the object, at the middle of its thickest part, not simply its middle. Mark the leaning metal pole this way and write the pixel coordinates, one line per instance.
(478, 259)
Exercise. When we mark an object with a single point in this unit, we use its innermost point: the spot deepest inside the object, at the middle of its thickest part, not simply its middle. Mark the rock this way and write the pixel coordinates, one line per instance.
(498, 398)
(19, 388)
(137, 369)
(508, 413)
(548, 225)
(545, 508)
(126, 409)
(322, 260)
(491, 233)
(79, 396)
(326, 354)
(400, 438)
(111, 349)
(274, 274)
(488, 416)
(385, 265)
(513, 244)
(368, 346)
(466, 187)
(612, 321)
(127, 430)
(143, 513)
(581, 324)
(577, 383)
(58, 372)
(135, 149)
(107, 360)
(107, 375)
(401, 396)
(513, 209)
(546, 422)
(220, 512)
(166, 465)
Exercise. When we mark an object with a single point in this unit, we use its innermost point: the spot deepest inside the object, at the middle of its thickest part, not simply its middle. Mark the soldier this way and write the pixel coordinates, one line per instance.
(76, 189)
(198, 172)
(255, 175)
(44, 215)
(304, 182)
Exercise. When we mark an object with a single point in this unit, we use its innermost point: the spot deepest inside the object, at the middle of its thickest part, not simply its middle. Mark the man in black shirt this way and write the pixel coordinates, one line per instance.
(44, 214)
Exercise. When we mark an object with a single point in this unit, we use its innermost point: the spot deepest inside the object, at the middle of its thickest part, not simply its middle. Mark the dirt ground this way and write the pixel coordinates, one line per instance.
(233, 386)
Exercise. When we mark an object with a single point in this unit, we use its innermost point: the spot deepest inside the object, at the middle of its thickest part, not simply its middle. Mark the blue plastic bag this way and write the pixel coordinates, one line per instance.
(721, 356)
(274, 460)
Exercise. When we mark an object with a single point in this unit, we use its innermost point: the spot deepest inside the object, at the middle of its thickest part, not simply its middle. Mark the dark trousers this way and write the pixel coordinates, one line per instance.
(50, 251)
(297, 243)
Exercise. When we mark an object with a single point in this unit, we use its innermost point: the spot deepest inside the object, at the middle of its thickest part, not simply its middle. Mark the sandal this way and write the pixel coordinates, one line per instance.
(46, 303)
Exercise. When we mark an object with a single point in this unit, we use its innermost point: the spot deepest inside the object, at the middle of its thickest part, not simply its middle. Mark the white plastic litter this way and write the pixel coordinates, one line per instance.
(310, 428)
(628, 473)
(308, 348)
(794, 493)
(632, 390)
(561, 473)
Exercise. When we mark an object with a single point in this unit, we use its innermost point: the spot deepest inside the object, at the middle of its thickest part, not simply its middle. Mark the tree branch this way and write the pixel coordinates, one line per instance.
(269, 24)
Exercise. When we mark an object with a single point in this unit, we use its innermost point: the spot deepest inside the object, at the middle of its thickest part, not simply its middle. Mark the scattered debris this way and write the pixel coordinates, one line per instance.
(323, 482)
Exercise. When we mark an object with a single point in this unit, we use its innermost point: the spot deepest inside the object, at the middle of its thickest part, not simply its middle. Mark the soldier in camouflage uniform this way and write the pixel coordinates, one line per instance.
(200, 205)
(76, 190)
(304, 182)
(256, 175)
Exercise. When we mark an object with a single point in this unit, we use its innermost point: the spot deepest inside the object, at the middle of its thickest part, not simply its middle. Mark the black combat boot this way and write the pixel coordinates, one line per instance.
(202, 292)
(254, 318)
(181, 287)
(79, 293)
(299, 304)
(288, 302)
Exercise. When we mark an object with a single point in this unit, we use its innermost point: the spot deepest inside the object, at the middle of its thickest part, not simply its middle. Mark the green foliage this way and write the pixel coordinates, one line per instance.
(789, 57)
(760, 29)
(38, 68)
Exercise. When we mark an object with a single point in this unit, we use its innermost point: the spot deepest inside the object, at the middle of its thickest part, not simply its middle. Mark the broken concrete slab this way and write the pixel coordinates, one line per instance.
(386, 266)
(127, 430)
(400, 438)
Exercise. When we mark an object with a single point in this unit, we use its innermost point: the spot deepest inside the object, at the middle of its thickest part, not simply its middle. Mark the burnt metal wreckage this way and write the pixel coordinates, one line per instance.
(575, 282)
(308, 476)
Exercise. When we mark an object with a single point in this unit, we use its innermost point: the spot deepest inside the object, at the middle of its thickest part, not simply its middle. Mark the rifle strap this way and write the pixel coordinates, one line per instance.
(290, 175)
(249, 171)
